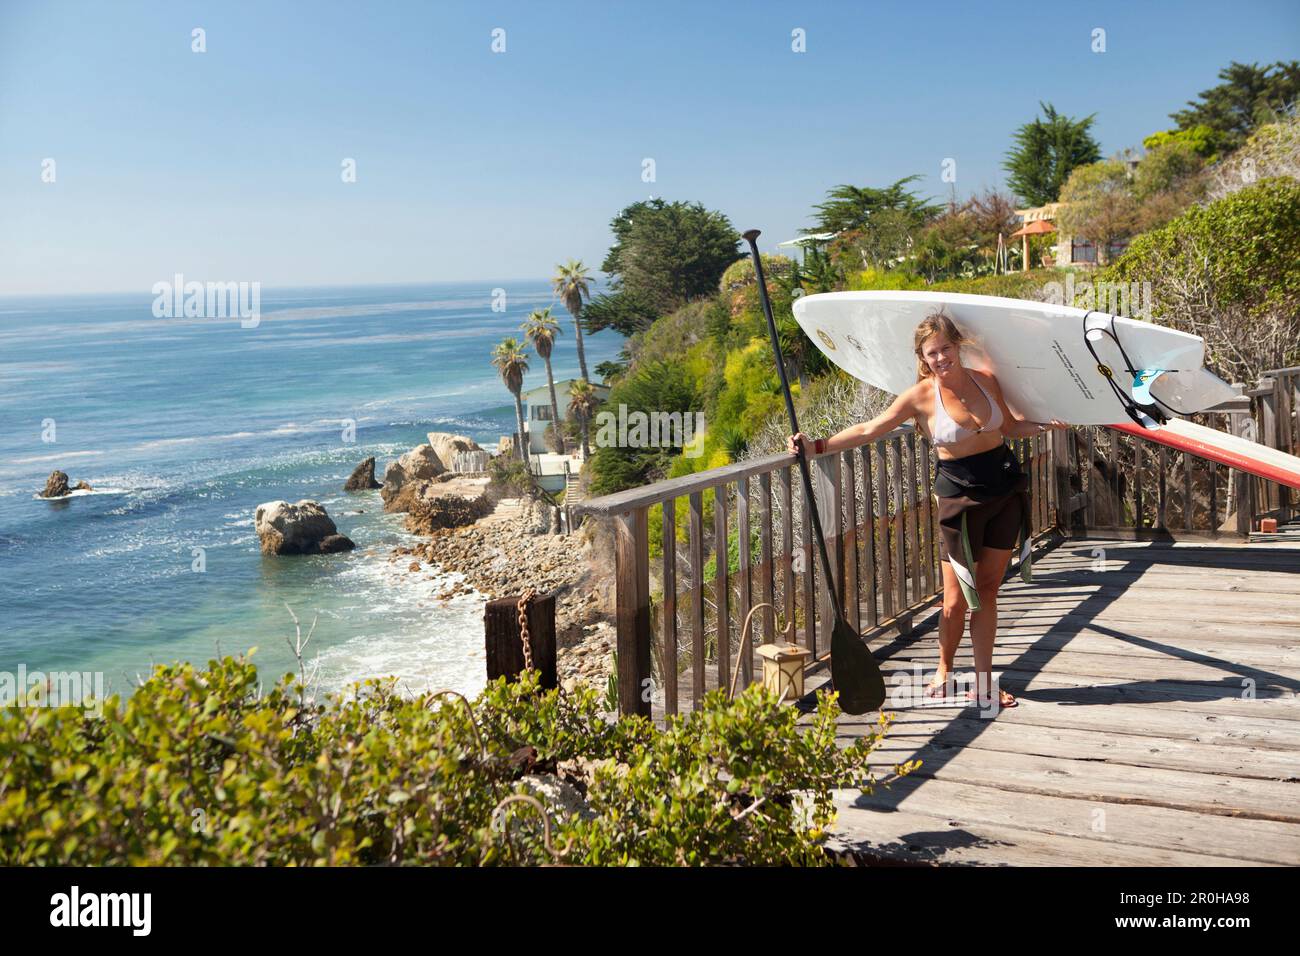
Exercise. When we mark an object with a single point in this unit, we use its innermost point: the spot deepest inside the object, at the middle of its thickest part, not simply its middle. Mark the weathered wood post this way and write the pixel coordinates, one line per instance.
(503, 640)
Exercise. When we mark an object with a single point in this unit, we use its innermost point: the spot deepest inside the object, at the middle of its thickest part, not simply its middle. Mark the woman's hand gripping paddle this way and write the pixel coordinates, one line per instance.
(854, 671)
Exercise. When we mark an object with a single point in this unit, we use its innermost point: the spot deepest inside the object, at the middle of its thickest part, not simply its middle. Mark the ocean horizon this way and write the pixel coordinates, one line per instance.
(183, 426)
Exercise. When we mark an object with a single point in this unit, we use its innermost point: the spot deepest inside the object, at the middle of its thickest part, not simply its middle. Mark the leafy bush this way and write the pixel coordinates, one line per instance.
(198, 767)
(1228, 272)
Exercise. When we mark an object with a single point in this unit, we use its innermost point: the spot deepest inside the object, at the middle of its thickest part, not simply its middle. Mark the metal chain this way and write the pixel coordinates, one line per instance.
(524, 637)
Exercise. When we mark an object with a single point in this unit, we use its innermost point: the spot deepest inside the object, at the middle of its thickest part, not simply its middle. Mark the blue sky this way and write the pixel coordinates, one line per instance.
(471, 164)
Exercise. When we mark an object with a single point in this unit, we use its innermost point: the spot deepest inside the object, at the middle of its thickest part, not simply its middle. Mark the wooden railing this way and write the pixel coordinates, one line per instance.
(1123, 485)
(680, 611)
(681, 617)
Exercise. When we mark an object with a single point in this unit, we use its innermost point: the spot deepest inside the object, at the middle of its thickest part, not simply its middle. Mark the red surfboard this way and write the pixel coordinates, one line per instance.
(1231, 450)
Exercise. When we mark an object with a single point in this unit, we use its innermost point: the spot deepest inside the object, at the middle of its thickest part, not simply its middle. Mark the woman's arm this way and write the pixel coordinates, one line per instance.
(900, 410)
(1014, 427)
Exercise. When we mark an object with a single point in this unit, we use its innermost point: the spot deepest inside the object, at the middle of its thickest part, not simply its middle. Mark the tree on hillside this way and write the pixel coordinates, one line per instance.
(852, 207)
(573, 286)
(655, 389)
(511, 361)
(1046, 151)
(1248, 97)
(541, 330)
(583, 403)
(1200, 139)
(963, 241)
(1099, 205)
(664, 255)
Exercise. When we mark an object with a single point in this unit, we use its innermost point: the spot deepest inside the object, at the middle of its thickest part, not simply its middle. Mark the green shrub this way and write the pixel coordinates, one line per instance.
(198, 767)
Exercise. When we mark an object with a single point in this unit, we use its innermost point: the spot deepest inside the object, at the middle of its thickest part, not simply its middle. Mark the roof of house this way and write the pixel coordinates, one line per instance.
(542, 393)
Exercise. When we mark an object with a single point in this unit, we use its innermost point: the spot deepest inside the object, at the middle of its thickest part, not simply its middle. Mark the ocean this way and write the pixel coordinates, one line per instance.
(184, 425)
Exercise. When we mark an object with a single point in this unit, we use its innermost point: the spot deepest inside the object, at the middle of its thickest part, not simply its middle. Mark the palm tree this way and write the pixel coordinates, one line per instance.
(541, 330)
(511, 361)
(571, 284)
(582, 406)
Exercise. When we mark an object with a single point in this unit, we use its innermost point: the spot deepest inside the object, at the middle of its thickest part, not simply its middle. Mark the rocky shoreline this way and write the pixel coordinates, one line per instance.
(504, 545)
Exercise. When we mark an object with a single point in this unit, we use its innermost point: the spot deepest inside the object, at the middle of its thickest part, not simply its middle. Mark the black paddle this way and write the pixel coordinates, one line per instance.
(854, 671)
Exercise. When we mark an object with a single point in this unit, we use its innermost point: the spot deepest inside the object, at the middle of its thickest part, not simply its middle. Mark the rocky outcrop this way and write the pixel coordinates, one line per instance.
(56, 486)
(431, 510)
(447, 446)
(82, 485)
(363, 478)
(420, 463)
(302, 528)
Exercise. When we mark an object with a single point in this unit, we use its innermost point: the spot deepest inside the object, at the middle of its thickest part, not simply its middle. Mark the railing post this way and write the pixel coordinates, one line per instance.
(1243, 425)
(632, 602)
(826, 486)
(1059, 442)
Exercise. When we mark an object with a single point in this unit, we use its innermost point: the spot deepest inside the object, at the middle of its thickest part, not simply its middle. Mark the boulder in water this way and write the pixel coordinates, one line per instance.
(363, 477)
(302, 528)
(56, 486)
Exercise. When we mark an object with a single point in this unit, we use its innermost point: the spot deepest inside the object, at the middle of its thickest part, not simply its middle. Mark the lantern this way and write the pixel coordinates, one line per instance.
(783, 669)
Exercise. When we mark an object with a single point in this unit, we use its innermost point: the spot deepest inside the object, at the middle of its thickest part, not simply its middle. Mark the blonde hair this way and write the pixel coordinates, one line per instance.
(936, 323)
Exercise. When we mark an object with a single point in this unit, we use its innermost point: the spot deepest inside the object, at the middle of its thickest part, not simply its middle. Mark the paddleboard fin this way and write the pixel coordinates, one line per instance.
(1142, 383)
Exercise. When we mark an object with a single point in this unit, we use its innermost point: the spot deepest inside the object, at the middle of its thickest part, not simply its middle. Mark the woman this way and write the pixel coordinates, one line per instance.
(981, 489)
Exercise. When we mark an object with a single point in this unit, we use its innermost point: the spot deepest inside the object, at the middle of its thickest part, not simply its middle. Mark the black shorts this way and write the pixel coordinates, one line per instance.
(993, 524)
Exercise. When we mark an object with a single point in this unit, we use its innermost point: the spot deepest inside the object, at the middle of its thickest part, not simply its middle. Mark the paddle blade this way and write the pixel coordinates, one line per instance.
(854, 671)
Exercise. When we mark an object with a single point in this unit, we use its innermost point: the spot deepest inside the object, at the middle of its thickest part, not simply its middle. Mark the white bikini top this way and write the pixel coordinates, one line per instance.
(946, 431)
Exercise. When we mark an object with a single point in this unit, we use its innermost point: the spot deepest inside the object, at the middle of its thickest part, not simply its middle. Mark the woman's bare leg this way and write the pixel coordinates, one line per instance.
(952, 623)
(990, 569)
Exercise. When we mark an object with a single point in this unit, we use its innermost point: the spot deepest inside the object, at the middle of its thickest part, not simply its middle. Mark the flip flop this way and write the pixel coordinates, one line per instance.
(970, 695)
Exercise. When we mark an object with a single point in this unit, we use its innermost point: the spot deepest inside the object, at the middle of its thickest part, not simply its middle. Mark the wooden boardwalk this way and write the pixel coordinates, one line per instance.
(1158, 722)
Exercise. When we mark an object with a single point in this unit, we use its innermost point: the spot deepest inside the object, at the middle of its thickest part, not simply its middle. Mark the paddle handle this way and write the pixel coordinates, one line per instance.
(751, 238)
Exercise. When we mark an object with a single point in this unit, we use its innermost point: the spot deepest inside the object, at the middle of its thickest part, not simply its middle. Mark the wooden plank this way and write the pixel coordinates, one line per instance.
(1159, 678)
(852, 605)
(826, 482)
(869, 542)
(744, 598)
(632, 610)
(809, 578)
(932, 580)
(899, 557)
(1117, 824)
(884, 524)
(503, 642)
(698, 650)
(1113, 749)
(1135, 720)
(722, 584)
(1080, 637)
(669, 526)
(913, 506)
(1164, 469)
(787, 546)
(902, 837)
(1214, 498)
(766, 594)
(1139, 518)
(1101, 782)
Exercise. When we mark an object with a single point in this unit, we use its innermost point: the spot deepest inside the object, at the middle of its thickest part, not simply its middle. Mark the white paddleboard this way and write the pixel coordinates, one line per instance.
(1038, 351)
